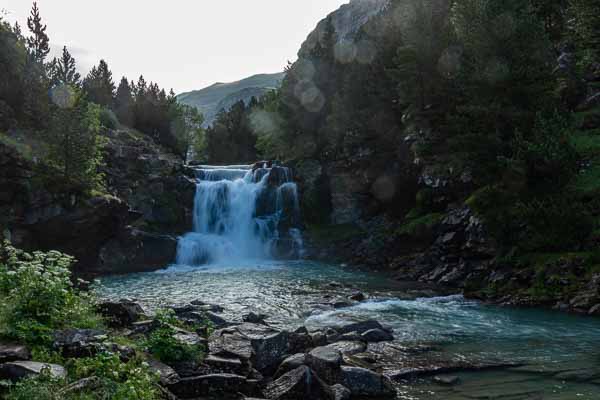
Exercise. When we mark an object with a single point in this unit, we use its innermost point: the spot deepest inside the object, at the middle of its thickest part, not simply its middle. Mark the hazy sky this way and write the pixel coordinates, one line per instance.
(184, 44)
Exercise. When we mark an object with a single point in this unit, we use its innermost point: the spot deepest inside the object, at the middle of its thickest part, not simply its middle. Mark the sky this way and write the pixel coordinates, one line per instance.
(180, 44)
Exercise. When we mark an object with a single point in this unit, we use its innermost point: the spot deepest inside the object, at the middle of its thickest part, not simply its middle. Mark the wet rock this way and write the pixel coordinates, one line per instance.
(291, 363)
(255, 318)
(377, 335)
(78, 343)
(208, 385)
(351, 337)
(341, 392)
(216, 319)
(13, 352)
(358, 296)
(16, 370)
(300, 341)
(595, 310)
(318, 339)
(448, 380)
(360, 327)
(363, 382)
(299, 384)
(348, 347)
(167, 375)
(122, 313)
(326, 362)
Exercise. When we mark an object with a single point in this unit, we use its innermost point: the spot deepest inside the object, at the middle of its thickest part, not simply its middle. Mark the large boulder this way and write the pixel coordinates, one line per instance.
(291, 363)
(122, 313)
(365, 383)
(78, 343)
(299, 384)
(167, 375)
(16, 370)
(360, 327)
(326, 362)
(13, 352)
(377, 335)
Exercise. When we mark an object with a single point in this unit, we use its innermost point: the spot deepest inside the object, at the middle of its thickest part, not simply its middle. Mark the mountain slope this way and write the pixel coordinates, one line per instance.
(221, 96)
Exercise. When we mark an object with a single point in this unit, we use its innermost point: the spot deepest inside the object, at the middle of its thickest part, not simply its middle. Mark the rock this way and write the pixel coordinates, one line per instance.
(299, 384)
(208, 385)
(167, 375)
(265, 347)
(225, 365)
(216, 319)
(363, 382)
(358, 296)
(348, 347)
(360, 327)
(318, 339)
(16, 370)
(300, 341)
(78, 343)
(341, 392)
(447, 380)
(351, 337)
(326, 362)
(595, 310)
(291, 363)
(377, 335)
(255, 318)
(86, 384)
(122, 313)
(13, 352)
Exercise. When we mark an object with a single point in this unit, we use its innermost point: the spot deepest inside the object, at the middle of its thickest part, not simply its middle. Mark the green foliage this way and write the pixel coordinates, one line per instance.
(37, 296)
(163, 344)
(118, 380)
(108, 119)
(99, 86)
(42, 387)
(416, 226)
(75, 143)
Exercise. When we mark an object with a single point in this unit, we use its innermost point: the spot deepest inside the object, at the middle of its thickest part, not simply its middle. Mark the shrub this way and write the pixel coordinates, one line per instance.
(163, 344)
(108, 119)
(42, 387)
(119, 381)
(37, 296)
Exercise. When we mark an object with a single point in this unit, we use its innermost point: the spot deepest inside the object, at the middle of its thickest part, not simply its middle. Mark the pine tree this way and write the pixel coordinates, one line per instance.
(99, 85)
(124, 103)
(38, 43)
(64, 70)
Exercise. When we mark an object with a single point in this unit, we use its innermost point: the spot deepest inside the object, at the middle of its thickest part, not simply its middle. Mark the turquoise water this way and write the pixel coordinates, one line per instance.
(558, 355)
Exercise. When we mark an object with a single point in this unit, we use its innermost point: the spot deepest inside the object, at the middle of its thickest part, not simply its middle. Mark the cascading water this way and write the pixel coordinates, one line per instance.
(242, 213)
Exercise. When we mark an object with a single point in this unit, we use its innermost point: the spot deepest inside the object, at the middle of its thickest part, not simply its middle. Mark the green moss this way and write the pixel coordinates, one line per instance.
(587, 183)
(421, 224)
(587, 145)
(333, 233)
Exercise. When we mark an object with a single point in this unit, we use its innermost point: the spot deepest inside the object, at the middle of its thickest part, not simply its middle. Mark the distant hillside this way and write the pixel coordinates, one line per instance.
(221, 96)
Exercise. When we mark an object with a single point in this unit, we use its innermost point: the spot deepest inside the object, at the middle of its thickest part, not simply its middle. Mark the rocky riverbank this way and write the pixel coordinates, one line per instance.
(250, 359)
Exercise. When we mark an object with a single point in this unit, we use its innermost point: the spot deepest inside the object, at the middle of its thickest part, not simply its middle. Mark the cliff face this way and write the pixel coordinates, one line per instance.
(127, 229)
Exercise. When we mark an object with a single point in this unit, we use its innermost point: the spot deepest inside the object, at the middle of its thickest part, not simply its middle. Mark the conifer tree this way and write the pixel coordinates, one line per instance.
(99, 85)
(64, 70)
(38, 43)
(124, 103)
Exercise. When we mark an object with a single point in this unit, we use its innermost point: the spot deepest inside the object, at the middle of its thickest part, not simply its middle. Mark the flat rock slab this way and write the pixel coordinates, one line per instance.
(13, 352)
(326, 362)
(16, 370)
(348, 347)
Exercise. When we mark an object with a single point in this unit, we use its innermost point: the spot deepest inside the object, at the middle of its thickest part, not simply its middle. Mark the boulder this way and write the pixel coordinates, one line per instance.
(326, 362)
(358, 296)
(13, 371)
(225, 365)
(78, 343)
(377, 335)
(122, 313)
(447, 380)
(318, 339)
(13, 352)
(291, 363)
(255, 318)
(348, 348)
(360, 327)
(298, 384)
(216, 319)
(300, 341)
(208, 385)
(167, 375)
(365, 383)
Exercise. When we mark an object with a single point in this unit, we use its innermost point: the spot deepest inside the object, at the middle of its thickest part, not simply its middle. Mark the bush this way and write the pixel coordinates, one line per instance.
(42, 387)
(163, 344)
(108, 119)
(37, 296)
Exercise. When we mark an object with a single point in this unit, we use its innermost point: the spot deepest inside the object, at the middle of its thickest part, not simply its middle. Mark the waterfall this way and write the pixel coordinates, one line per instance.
(242, 213)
